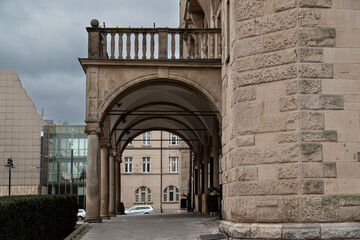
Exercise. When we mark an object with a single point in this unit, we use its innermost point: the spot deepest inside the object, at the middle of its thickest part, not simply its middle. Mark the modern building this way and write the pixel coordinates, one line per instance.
(154, 170)
(20, 130)
(65, 151)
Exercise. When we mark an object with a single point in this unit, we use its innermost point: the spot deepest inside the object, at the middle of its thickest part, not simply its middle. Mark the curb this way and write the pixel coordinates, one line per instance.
(76, 231)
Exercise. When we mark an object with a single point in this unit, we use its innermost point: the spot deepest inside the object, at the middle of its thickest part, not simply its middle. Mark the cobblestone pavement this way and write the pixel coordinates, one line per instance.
(158, 226)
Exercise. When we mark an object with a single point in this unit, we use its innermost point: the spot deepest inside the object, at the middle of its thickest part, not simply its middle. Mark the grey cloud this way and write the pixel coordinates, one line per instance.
(41, 41)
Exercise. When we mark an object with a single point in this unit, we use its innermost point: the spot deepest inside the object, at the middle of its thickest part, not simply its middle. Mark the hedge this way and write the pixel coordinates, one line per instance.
(37, 217)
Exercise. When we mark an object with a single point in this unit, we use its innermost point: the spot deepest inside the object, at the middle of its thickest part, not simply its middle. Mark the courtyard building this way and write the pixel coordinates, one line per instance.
(264, 92)
(20, 138)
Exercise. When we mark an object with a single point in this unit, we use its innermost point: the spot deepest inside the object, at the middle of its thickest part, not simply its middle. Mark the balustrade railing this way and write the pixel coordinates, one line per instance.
(154, 43)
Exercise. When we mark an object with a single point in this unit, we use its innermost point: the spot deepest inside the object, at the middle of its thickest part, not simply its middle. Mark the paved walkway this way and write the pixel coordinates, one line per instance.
(157, 226)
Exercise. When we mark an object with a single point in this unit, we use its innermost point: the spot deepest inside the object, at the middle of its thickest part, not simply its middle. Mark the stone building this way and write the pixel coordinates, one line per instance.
(269, 89)
(154, 170)
(20, 128)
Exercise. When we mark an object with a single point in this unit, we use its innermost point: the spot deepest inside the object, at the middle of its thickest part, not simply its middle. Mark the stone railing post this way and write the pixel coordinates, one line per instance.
(94, 40)
(163, 43)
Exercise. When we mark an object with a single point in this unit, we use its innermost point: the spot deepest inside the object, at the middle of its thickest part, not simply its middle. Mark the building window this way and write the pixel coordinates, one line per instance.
(173, 164)
(146, 139)
(128, 164)
(146, 164)
(142, 195)
(130, 144)
(171, 194)
(173, 139)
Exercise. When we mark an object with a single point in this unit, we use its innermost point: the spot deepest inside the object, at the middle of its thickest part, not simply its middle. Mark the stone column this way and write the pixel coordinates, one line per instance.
(215, 153)
(112, 184)
(93, 131)
(117, 186)
(206, 155)
(104, 209)
(198, 182)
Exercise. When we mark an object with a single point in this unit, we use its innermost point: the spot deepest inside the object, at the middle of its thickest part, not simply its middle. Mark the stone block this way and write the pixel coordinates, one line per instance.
(291, 87)
(315, 3)
(319, 209)
(342, 120)
(348, 136)
(243, 94)
(348, 169)
(340, 231)
(282, 153)
(289, 209)
(312, 120)
(349, 200)
(288, 171)
(288, 137)
(292, 120)
(330, 186)
(266, 138)
(349, 214)
(312, 186)
(347, 38)
(341, 86)
(339, 18)
(245, 140)
(342, 55)
(269, 7)
(266, 60)
(240, 230)
(288, 103)
(307, 70)
(301, 231)
(246, 173)
(346, 71)
(346, 4)
(318, 170)
(248, 46)
(267, 214)
(319, 136)
(322, 102)
(310, 86)
(280, 40)
(276, 22)
(281, 5)
(265, 231)
(348, 185)
(315, 55)
(248, 115)
(266, 75)
(317, 37)
(247, 9)
(309, 17)
(245, 29)
(267, 171)
(264, 187)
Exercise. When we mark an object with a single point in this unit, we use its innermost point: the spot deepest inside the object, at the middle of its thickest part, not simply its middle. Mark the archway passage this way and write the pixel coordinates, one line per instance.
(124, 101)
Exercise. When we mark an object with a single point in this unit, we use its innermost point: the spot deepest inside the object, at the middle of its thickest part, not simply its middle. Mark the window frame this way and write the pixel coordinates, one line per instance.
(171, 191)
(173, 162)
(146, 139)
(143, 191)
(173, 139)
(128, 162)
(146, 165)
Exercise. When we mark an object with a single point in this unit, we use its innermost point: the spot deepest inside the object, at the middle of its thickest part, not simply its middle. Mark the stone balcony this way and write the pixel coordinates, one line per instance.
(154, 43)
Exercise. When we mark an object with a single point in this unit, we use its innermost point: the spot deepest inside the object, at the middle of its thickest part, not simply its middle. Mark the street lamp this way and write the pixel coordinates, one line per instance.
(9, 165)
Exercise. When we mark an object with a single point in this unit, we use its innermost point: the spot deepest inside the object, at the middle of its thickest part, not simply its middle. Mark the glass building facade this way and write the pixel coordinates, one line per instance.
(64, 145)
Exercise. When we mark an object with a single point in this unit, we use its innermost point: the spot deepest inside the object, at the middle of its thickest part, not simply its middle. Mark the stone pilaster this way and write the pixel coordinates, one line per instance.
(112, 183)
(104, 208)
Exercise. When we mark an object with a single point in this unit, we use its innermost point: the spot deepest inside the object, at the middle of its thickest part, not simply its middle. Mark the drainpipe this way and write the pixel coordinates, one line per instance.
(161, 159)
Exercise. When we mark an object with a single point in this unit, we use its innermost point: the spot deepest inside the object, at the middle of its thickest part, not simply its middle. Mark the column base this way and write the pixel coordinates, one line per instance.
(325, 231)
(93, 220)
(112, 214)
(105, 217)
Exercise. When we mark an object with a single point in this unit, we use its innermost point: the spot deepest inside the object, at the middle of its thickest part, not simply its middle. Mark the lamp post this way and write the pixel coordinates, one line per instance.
(9, 165)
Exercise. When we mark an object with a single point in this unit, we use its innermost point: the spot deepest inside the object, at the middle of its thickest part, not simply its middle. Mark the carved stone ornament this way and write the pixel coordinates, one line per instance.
(93, 130)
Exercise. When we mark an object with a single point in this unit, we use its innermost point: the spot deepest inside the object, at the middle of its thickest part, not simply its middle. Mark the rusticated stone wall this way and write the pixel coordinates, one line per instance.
(291, 111)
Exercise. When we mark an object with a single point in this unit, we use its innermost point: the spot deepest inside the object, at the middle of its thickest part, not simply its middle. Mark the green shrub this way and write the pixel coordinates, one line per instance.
(37, 217)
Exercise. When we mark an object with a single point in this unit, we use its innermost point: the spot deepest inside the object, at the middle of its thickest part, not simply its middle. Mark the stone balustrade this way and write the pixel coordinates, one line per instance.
(154, 43)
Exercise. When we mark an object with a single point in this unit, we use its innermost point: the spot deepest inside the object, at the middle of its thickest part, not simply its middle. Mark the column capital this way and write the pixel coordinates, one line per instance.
(92, 128)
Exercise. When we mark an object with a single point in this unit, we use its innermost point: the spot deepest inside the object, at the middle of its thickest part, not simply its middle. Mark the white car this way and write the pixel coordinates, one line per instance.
(142, 209)
(81, 214)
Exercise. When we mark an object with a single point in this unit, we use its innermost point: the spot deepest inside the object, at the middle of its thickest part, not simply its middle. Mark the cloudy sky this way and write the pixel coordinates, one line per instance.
(41, 40)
